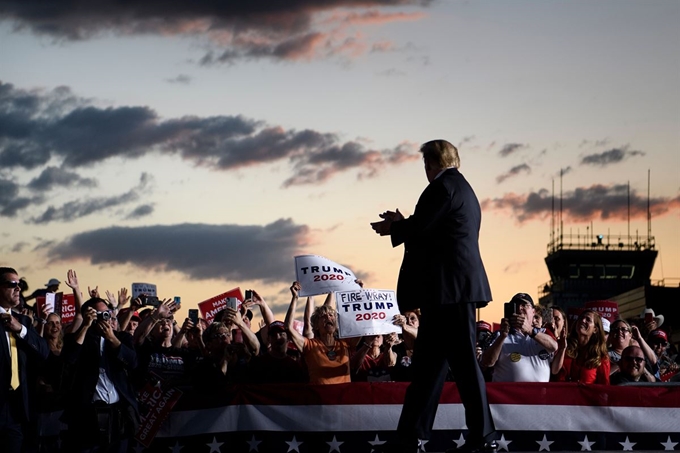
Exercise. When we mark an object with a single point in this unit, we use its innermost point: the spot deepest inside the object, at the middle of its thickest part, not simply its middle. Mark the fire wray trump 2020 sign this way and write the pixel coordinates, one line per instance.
(366, 312)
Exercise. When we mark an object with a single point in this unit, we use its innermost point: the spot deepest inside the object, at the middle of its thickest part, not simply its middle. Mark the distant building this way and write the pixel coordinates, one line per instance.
(586, 268)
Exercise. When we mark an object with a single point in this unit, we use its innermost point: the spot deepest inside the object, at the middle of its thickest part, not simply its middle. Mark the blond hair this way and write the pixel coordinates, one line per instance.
(440, 154)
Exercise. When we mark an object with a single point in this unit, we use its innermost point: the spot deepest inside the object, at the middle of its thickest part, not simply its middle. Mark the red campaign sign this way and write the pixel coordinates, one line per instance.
(209, 308)
(68, 309)
(607, 309)
(573, 313)
(63, 304)
(157, 402)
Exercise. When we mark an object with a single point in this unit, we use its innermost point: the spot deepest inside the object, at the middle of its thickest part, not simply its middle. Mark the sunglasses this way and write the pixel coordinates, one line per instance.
(621, 329)
(637, 360)
(10, 284)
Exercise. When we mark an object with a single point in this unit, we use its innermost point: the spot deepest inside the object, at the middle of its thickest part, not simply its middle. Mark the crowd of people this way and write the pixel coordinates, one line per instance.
(94, 367)
(536, 344)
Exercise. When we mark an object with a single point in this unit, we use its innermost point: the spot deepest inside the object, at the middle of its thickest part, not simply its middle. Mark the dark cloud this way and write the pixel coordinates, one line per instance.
(241, 29)
(514, 171)
(19, 247)
(613, 156)
(56, 177)
(140, 211)
(510, 148)
(10, 201)
(76, 209)
(181, 79)
(199, 251)
(583, 204)
(86, 135)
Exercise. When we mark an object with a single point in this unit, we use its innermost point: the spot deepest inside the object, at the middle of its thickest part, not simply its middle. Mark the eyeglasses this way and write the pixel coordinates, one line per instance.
(621, 329)
(637, 360)
(10, 284)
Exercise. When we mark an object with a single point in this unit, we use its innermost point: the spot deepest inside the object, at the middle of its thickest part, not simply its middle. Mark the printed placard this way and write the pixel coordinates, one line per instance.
(155, 402)
(366, 312)
(319, 275)
(68, 309)
(607, 309)
(143, 288)
(209, 308)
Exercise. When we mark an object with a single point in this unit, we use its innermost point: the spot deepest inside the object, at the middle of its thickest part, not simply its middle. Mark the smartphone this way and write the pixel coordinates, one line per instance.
(177, 300)
(193, 316)
(232, 302)
(649, 318)
(249, 294)
(509, 309)
(152, 301)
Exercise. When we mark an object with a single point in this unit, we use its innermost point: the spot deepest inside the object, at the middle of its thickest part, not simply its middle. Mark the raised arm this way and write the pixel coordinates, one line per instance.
(72, 282)
(298, 339)
(265, 311)
(232, 316)
(309, 309)
(490, 356)
(146, 326)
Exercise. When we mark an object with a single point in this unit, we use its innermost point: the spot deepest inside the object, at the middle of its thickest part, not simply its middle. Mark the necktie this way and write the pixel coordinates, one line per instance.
(14, 352)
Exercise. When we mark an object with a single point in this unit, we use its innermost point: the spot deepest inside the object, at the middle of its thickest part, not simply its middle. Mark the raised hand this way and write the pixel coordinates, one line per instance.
(295, 288)
(123, 297)
(72, 280)
(93, 292)
(112, 299)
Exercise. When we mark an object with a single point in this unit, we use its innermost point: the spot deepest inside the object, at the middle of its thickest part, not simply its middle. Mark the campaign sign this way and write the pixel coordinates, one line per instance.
(155, 402)
(607, 309)
(366, 312)
(143, 288)
(68, 309)
(573, 313)
(209, 308)
(319, 275)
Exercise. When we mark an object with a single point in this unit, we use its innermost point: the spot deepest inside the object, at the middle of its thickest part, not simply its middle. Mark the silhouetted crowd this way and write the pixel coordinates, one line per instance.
(95, 367)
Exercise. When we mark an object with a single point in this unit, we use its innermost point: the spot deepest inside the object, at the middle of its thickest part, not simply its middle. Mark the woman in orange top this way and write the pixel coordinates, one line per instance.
(327, 357)
(582, 356)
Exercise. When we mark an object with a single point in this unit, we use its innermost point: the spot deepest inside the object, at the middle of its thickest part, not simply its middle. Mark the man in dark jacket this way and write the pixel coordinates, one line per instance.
(101, 413)
(19, 343)
(442, 274)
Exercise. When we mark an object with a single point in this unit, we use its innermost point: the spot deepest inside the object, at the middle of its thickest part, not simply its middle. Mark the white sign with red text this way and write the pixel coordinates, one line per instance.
(366, 312)
(319, 275)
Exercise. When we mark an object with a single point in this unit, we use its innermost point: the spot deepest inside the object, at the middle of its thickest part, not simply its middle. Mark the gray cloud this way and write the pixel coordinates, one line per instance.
(140, 211)
(199, 251)
(181, 79)
(238, 30)
(583, 204)
(510, 148)
(10, 201)
(56, 177)
(86, 135)
(514, 171)
(613, 156)
(76, 209)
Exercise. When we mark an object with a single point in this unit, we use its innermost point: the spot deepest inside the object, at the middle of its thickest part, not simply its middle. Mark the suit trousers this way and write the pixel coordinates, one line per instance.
(11, 433)
(446, 338)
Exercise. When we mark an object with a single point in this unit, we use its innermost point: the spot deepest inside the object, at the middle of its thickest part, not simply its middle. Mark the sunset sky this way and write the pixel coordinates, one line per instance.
(200, 146)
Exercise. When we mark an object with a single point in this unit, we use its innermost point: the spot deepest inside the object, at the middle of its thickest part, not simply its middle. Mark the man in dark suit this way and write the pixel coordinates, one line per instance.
(442, 274)
(19, 343)
(102, 412)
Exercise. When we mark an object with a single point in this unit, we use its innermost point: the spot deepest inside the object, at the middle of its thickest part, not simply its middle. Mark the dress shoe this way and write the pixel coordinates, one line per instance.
(488, 447)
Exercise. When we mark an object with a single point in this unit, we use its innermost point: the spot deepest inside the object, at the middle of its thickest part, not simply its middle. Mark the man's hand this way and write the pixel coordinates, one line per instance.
(505, 327)
(90, 316)
(11, 323)
(383, 227)
(123, 297)
(105, 327)
(93, 292)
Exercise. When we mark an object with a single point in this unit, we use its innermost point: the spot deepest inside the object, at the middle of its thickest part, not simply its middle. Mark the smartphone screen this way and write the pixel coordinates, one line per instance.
(193, 316)
(232, 302)
(249, 294)
(508, 310)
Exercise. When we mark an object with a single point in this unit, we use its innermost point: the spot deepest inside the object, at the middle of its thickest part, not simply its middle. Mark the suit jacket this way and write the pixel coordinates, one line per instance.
(86, 361)
(442, 264)
(31, 347)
